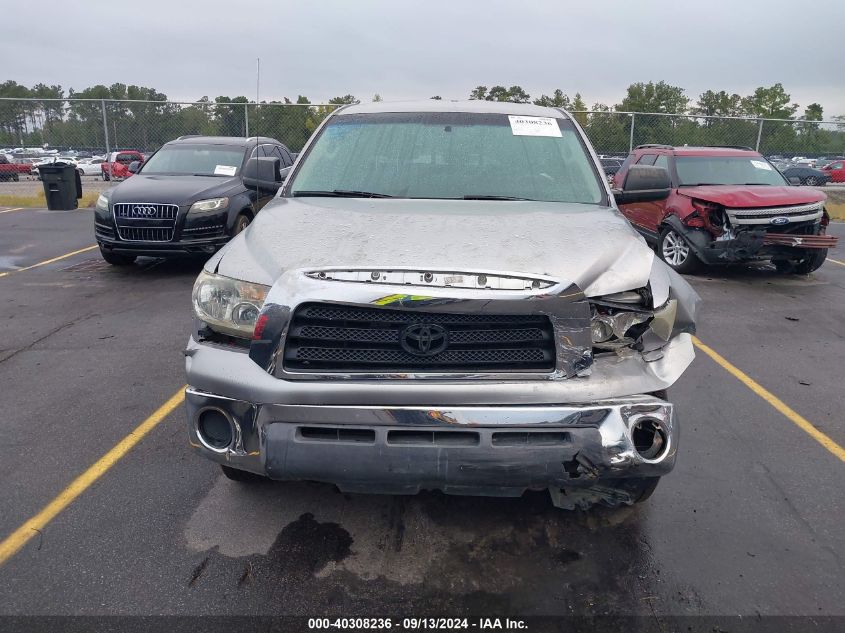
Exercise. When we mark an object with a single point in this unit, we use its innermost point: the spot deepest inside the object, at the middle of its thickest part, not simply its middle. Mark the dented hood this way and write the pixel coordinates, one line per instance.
(739, 196)
(593, 247)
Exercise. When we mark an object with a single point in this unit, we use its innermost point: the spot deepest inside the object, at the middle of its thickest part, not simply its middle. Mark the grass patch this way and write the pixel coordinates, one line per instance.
(835, 209)
(87, 201)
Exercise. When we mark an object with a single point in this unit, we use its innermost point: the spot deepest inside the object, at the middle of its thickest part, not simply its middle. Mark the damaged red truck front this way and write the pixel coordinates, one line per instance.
(728, 205)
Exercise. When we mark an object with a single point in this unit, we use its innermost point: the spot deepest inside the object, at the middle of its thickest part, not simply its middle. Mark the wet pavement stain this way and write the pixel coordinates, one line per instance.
(429, 553)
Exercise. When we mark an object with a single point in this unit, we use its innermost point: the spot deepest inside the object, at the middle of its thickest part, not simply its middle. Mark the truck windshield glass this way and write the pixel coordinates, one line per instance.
(197, 160)
(726, 170)
(446, 155)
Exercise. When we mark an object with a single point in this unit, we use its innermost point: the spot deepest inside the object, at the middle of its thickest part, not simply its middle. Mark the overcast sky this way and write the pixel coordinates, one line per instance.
(419, 48)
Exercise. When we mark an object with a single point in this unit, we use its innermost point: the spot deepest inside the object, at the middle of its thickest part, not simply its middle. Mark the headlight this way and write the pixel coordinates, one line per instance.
(212, 204)
(614, 316)
(103, 201)
(228, 305)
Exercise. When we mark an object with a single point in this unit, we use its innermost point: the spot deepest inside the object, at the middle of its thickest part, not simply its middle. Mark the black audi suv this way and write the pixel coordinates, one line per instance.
(189, 198)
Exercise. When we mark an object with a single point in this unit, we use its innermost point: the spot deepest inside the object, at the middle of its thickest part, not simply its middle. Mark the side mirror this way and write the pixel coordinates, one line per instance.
(134, 166)
(263, 173)
(643, 183)
(794, 180)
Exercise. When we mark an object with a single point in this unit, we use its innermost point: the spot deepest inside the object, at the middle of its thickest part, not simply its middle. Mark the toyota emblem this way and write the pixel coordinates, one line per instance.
(424, 339)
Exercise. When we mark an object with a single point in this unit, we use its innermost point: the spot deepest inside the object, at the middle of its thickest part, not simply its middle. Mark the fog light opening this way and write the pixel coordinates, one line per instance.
(214, 429)
(649, 438)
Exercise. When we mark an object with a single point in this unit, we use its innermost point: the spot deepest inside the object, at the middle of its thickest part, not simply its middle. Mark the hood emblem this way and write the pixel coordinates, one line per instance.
(424, 339)
(144, 211)
(779, 221)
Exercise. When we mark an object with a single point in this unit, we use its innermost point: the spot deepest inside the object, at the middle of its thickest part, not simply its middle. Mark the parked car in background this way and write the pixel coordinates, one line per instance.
(89, 166)
(12, 169)
(117, 165)
(728, 205)
(49, 161)
(835, 170)
(610, 165)
(378, 327)
(190, 198)
(807, 175)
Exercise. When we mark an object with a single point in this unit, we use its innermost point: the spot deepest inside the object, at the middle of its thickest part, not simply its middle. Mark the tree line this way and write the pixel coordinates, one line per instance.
(139, 117)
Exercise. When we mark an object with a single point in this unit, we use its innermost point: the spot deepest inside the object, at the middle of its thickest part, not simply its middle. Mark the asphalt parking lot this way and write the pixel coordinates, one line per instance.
(749, 523)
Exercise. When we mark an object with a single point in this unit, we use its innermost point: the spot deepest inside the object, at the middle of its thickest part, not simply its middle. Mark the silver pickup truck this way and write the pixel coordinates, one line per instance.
(443, 296)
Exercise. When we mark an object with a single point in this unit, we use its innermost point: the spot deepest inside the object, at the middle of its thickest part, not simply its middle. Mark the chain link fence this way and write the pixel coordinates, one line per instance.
(27, 126)
(616, 133)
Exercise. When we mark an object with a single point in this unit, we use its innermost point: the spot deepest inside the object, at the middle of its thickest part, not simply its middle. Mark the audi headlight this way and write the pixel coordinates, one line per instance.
(212, 204)
(103, 201)
(228, 306)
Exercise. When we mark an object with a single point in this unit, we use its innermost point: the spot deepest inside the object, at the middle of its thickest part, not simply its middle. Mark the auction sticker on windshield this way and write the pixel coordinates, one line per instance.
(225, 170)
(534, 126)
(759, 164)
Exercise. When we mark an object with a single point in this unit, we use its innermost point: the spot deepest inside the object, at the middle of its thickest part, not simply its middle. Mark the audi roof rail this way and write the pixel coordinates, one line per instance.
(654, 146)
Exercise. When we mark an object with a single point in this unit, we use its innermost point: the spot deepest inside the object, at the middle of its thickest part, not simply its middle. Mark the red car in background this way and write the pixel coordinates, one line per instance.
(836, 171)
(11, 169)
(117, 166)
(728, 205)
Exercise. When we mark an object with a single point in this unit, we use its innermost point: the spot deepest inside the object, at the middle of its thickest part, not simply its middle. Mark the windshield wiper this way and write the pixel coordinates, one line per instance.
(481, 197)
(342, 193)
(700, 184)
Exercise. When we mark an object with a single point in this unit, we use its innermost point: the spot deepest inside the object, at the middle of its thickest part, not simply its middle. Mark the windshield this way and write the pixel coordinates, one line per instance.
(196, 160)
(726, 170)
(448, 155)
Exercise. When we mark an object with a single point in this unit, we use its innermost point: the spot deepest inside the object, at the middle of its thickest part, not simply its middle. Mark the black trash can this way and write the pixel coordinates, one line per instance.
(62, 186)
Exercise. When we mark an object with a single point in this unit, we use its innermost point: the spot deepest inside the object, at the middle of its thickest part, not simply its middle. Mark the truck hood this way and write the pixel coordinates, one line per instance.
(171, 189)
(593, 247)
(739, 196)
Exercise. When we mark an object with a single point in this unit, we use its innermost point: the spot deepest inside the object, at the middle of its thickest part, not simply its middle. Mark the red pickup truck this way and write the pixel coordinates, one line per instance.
(117, 166)
(11, 170)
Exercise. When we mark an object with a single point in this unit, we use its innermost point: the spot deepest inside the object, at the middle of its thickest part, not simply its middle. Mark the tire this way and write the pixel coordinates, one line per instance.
(106, 176)
(241, 222)
(811, 181)
(80, 172)
(115, 259)
(243, 476)
(811, 262)
(15, 177)
(647, 486)
(673, 249)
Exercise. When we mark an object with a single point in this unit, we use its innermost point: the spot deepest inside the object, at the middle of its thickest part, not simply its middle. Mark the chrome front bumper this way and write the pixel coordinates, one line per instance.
(478, 450)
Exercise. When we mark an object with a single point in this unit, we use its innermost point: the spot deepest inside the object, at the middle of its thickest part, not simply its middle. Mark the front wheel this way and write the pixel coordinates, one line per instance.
(241, 222)
(16, 177)
(105, 175)
(811, 181)
(811, 262)
(673, 249)
(115, 259)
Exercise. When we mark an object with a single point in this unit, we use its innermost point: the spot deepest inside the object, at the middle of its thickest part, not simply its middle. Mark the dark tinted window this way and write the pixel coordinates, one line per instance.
(647, 159)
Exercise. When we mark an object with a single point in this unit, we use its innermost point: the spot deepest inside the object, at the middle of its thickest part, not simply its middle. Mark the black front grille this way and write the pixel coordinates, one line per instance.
(145, 222)
(326, 338)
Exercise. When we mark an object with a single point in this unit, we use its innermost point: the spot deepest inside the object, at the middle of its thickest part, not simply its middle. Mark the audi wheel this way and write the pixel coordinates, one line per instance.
(241, 222)
(811, 181)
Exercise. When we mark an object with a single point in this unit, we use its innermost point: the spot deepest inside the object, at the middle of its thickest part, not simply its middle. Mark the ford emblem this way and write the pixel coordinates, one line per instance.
(779, 221)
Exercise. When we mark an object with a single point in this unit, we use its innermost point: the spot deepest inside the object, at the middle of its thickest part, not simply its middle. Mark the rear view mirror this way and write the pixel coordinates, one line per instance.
(264, 173)
(643, 183)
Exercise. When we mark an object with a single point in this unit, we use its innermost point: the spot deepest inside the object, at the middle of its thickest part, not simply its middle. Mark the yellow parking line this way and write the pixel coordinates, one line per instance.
(15, 209)
(801, 422)
(17, 539)
(835, 261)
(49, 261)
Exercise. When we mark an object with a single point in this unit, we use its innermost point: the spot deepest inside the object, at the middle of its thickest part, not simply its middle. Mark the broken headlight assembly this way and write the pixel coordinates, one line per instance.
(620, 320)
(227, 305)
